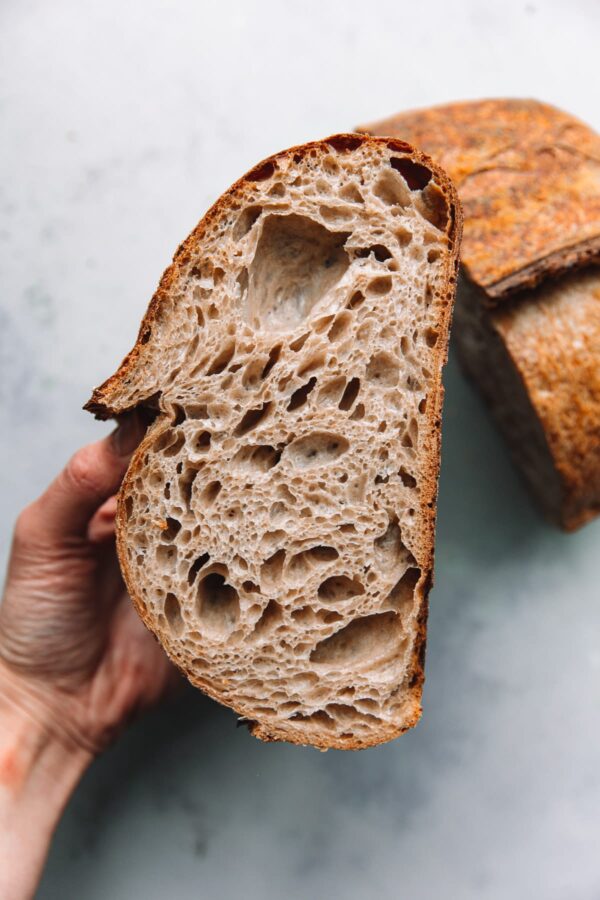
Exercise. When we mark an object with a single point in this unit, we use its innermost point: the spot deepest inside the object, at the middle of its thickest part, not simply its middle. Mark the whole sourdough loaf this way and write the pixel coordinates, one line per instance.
(528, 308)
(275, 527)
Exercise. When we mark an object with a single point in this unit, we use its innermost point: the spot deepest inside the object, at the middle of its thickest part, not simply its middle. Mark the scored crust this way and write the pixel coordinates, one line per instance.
(528, 176)
(275, 527)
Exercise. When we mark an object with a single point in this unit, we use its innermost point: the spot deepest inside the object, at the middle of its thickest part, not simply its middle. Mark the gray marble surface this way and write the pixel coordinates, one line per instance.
(121, 122)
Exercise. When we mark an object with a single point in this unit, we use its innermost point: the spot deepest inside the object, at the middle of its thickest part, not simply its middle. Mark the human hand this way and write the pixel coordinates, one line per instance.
(73, 652)
(76, 662)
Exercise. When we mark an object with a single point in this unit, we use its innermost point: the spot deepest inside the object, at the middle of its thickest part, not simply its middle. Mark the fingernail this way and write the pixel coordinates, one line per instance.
(127, 435)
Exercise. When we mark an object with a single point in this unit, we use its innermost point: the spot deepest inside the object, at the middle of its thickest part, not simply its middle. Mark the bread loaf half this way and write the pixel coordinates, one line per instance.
(276, 525)
(528, 309)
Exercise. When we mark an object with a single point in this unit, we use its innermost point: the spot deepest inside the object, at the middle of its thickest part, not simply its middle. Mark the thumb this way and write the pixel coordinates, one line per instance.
(92, 475)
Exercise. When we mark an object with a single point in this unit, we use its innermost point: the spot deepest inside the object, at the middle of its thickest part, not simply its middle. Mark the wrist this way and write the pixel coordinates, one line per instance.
(32, 753)
(38, 771)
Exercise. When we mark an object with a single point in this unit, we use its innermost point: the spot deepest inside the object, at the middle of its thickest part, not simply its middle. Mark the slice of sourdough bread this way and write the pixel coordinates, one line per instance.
(276, 525)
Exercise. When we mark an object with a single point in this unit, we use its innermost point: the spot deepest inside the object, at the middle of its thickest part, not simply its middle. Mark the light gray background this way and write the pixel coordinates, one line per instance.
(121, 122)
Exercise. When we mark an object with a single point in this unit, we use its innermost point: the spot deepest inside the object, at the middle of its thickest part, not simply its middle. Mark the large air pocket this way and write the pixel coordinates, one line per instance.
(297, 262)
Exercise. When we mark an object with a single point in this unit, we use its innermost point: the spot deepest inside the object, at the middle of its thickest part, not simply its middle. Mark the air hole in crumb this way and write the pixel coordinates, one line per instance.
(370, 639)
(351, 193)
(431, 337)
(171, 529)
(381, 285)
(350, 394)
(340, 327)
(355, 300)
(380, 252)
(302, 564)
(335, 215)
(433, 254)
(262, 172)
(270, 571)
(250, 587)
(246, 220)
(407, 479)
(435, 207)
(389, 547)
(253, 373)
(317, 449)
(128, 507)
(312, 365)
(252, 418)
(322, 324)
(345, 143)
(186, 483)
(331, 391)
(257, 457)
(271, 616)
(383, 369)
(422, 405)
(179, 414)
(330, 617)
(278, 190)
(210, 493)
(358, 413)
(303, 614)
(169, 442)
(196, 566)
(403, 236)
(202, 442)
(402, 594)
(300, 396)
(220, 363)
(339, 588)
(299, 342)
(218, 602)
(173, 614)
(320, 718)
(296, 263)
(415, 175)
(391, 190)
(242, 281)
(197, 411)
(166, 555)
(274, 354)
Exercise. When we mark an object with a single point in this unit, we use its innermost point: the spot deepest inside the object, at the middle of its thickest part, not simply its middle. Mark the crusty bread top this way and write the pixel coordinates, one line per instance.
(275, 526)
(528, 176)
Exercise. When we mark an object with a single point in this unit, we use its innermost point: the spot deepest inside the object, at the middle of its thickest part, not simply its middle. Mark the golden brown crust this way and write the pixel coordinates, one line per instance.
(105, 403)
(528, 176)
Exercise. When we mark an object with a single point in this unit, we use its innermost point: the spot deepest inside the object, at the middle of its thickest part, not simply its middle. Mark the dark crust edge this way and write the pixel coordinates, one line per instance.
(559, 263)
(98, 405)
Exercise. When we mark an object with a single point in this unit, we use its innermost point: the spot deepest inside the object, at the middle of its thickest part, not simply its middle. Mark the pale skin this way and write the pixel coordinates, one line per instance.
(76, 663)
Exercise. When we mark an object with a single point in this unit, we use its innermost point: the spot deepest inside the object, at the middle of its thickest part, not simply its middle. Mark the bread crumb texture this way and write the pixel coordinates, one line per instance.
(275, 527)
